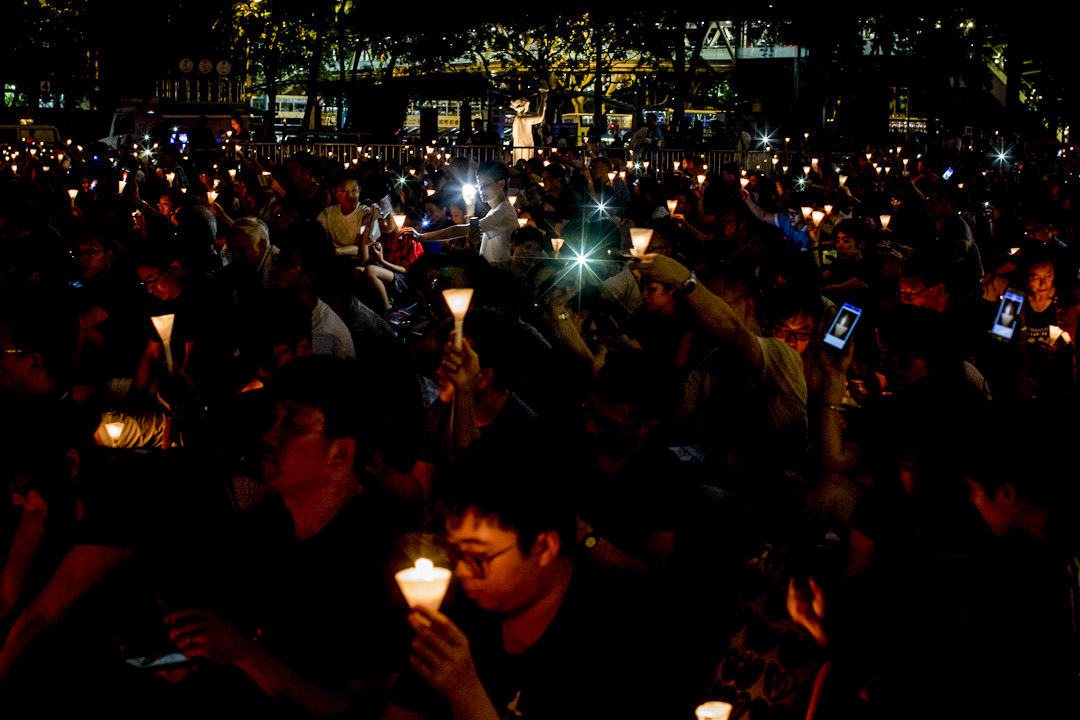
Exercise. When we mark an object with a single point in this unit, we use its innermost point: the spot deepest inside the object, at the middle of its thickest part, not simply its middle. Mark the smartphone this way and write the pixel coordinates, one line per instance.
(1008, 314)
(843, 326)
(170, 661)
(947, 174)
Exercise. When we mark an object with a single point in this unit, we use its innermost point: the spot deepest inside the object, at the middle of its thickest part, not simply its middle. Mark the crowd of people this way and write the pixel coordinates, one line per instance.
(792, 438)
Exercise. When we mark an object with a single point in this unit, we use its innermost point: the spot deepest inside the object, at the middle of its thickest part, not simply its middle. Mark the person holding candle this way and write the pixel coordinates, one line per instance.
(517, 646)
(348, 220)
(385, 263)
(495, 228)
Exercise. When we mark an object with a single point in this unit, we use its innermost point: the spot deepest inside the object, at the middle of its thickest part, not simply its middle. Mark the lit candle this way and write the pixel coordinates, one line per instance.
(1013, 251)
(212, 196)
(785, 169)
(828, 209)
(424, 585)
(775, 160)
(818, 216)
(512, 199)
(843, 179)
(431, 192)
(885, 221)
(622, 174)
(556, 244)
(164, 326)
(629, 165)
(522, 222)
(640, 238)
(120, 185)
(71, 194)
(814, 161)
(675, 165)
(232, 173)
(713, 710)
(887, 169)
(183, 190)
(399, 221)
(806, 210)
(700, 179)
(744, 181)
(868, 156)
(611, 177)
(170, 176)
(114, 429)
(671, 205)
(645, 164)
(458, 299)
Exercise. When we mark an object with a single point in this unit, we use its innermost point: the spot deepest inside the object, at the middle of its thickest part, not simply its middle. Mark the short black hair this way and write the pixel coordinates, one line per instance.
(334, 387)
(494, 170)
(520, 494)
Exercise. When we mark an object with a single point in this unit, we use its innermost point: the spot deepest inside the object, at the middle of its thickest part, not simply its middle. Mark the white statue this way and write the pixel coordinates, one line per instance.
(523, 124)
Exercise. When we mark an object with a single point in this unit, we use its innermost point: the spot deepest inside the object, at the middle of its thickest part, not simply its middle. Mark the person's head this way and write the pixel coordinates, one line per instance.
(850, 237)
(320, 432)
(282, 334)
(457, 212)
(1040, 274)
(93, 256)
(794, 315)
(620, 410)
(38, 341)
(600, 167)
(160, 272)
(1003, 485)
(347, 192)
(491, 335)
(305, 252)
(236, 124)
(511, 539)
(300, 167)
(247, 241)
(941, 202)
(924, 281)
(434, 210)
(167, 204)
(491, 178)
(921, 344)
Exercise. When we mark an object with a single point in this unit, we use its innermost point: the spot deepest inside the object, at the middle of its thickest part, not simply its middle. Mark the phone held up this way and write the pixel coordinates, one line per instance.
(1008, 315)
(843, 327)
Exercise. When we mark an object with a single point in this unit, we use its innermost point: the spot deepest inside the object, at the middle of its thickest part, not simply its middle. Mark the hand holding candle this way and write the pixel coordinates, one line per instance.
(458, 299)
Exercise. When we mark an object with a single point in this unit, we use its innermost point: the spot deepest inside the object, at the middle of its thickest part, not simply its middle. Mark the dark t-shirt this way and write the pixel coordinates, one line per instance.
(600, 651)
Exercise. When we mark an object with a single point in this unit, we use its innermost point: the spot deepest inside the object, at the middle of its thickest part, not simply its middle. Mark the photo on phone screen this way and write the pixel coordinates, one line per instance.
(843, 326)
(165, 662)
(1007, 315)
(947, 174)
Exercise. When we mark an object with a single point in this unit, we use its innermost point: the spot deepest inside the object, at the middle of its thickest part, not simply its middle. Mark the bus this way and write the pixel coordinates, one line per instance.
(289, 109)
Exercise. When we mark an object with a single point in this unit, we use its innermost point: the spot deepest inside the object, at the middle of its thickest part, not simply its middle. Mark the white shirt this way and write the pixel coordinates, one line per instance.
(497, 226)
(344, 229)
(329, 336)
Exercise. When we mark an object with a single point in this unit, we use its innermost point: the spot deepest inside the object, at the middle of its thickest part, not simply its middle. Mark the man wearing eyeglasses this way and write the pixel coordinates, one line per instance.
(544, 636)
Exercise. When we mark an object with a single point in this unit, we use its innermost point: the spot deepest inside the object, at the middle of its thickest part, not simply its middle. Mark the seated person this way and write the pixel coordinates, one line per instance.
(517, 646)
(306, 571)
(494, 229)
(306, 255)
(385, 263)
(347, 221)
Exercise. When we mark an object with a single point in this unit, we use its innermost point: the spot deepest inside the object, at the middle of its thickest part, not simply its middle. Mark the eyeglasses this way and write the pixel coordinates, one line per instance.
(478, 564)
(152, 281)
(907, 295)
(783, 333)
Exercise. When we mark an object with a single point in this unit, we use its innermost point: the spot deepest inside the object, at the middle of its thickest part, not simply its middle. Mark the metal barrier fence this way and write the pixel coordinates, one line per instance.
(659, 160)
